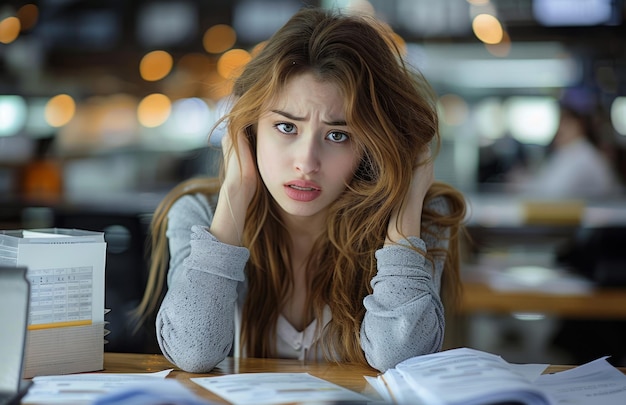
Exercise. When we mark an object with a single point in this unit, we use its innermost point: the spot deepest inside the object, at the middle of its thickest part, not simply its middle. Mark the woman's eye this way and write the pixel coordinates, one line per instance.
(286, 128)
(337, 137)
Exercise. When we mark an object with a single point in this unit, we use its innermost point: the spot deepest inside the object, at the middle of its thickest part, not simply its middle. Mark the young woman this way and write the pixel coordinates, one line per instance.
(328, 238)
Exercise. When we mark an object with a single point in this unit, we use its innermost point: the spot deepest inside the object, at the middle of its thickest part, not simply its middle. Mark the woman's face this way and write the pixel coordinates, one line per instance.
(305, 151)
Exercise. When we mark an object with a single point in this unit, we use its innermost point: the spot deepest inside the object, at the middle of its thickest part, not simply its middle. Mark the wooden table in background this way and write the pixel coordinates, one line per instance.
(604, 303)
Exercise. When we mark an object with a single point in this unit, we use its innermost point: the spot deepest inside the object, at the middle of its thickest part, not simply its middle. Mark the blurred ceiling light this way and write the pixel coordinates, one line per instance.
(527, 73)
(13, 111)
(60, 110)
(155, 65)
(478, 2)
(231, 63)
(488, 116)
(528, 65)
(532, 120)
(154, 110)
(189, 123)
(9, 29)
(573, 13)
(257, 20)
(165, 23)
(618, 115)
(487, 28)
(428, 18)
(28, 15)
(219, 38)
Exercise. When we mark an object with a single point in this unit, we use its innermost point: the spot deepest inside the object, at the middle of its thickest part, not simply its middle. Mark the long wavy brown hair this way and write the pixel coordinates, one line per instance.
(391, 111)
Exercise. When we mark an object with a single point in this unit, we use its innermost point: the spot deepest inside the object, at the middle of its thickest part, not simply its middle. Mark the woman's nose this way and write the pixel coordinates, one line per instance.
(307, 159)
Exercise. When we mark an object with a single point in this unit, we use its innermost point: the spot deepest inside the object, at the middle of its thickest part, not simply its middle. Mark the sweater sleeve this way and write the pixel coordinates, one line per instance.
(195, 323)
(404, 314)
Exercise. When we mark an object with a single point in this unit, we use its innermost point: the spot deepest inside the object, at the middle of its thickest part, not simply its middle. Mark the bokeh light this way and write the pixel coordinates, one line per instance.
(219, 38)
(28, 15)
(60, 110)
(13, 111)
(9, 29)
(231, 63)
(487, 28)
(154, 110)
(618, 115)
(155, 65)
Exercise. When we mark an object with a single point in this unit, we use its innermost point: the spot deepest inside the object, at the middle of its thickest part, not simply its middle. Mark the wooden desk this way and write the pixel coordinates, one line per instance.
(601, 304)
(347, 375)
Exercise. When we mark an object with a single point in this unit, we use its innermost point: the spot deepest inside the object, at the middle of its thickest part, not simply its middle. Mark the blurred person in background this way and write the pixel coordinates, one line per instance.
(575, 166)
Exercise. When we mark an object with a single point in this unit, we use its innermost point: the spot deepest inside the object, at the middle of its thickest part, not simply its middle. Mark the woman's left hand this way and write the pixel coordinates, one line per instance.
(407, 219)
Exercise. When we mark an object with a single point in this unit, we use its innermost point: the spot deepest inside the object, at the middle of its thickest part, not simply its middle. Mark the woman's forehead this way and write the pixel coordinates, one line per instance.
(306, 87)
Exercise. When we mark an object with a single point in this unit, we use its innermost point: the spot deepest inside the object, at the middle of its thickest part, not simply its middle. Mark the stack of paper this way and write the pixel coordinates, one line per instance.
(66, 326)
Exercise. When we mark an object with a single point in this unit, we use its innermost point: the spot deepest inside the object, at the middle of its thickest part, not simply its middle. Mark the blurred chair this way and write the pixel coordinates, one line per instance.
(597, 253)
(125, 273)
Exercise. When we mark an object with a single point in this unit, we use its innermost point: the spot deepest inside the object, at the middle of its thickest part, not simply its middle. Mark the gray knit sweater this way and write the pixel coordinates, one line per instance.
(198, 320)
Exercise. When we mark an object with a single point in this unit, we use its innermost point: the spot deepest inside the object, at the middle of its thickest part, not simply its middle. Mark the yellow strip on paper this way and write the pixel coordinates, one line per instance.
(84, 322)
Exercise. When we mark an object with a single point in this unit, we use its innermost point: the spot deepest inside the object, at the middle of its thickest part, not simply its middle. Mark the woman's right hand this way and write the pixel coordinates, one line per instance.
(240, 184)
(240, 173)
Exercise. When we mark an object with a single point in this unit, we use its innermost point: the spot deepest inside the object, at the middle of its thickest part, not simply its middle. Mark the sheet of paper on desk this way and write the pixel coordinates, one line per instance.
(76, 389)
(593, 383)
(276, 388)
(168, 392)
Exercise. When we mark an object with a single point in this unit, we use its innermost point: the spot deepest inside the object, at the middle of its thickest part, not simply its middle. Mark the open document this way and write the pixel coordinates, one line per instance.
(466, 376)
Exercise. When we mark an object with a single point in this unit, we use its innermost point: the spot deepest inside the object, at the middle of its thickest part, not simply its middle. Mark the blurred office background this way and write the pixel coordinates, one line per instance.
(106, 104)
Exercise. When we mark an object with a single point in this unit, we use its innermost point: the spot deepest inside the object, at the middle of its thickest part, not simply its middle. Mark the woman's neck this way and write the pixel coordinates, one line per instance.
(304, 231)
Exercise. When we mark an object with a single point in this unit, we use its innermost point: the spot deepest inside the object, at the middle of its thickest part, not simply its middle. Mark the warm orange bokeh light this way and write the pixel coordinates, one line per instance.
(154, 110)
(155, 65)
(487, 28)
(219, 38)
(28, 15)
(60, 110)
(9, 29)
(232, 62)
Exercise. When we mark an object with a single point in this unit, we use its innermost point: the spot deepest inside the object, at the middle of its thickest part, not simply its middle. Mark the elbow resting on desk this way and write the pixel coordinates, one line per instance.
(387, 342)
(193, 357)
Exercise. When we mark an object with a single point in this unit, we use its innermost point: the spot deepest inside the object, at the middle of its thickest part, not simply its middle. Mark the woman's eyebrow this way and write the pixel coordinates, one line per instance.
(338, 123)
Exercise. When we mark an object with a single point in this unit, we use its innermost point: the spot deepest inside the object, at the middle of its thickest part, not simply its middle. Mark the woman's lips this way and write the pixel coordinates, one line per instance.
(304, 191)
